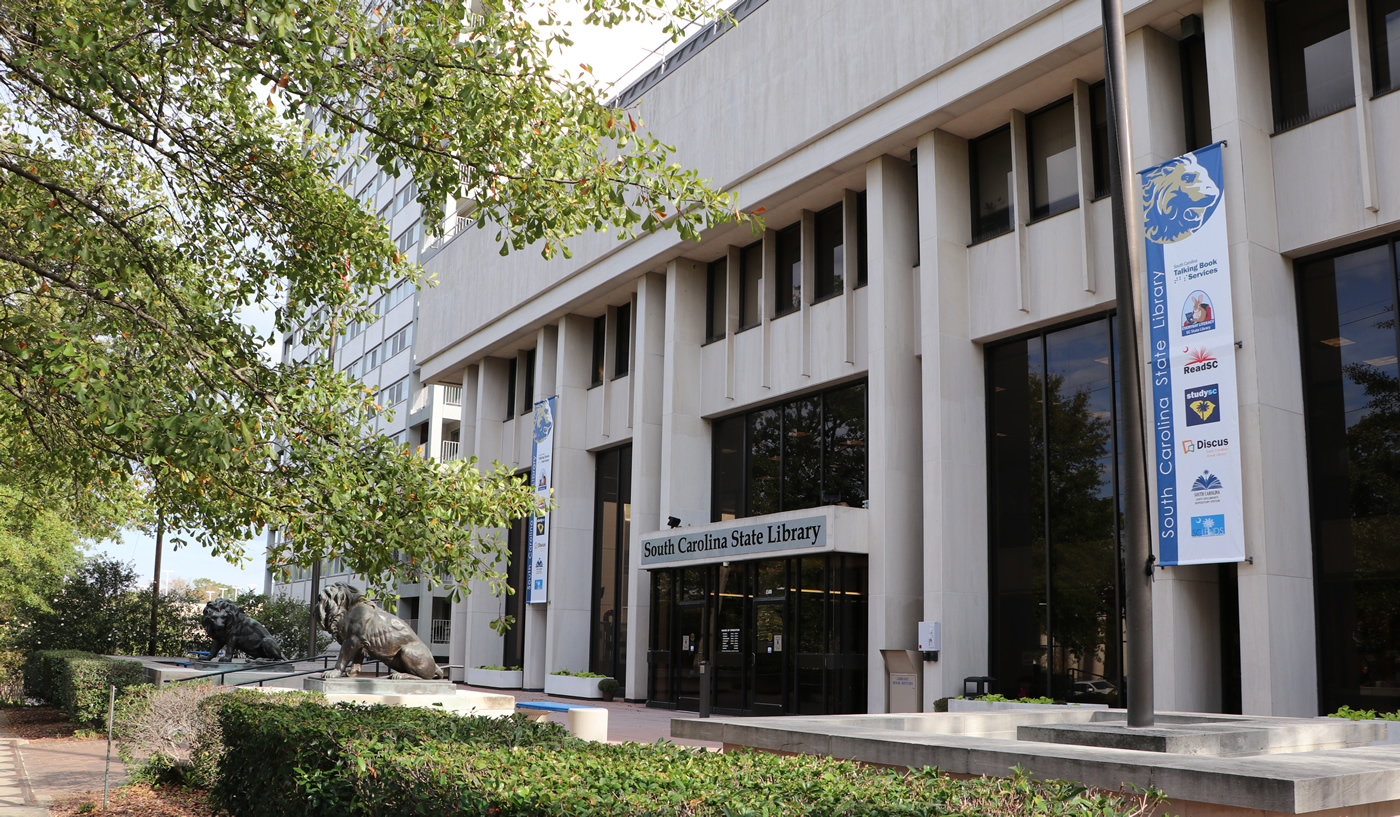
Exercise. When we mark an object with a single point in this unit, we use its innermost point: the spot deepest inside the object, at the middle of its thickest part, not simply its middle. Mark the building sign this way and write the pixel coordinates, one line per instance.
(1193, 416)
(736, 541)
(542, 477)
(729, 640)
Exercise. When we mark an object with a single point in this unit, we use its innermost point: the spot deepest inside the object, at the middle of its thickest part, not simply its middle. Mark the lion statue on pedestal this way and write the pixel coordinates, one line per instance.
(366, 631)
(226, 623)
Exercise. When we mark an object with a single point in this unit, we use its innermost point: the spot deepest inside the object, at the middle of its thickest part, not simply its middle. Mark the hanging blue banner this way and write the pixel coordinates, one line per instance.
(1193, 418)
(542, 478)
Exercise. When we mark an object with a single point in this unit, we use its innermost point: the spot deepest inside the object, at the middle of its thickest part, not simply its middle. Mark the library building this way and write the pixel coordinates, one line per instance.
(788, 455)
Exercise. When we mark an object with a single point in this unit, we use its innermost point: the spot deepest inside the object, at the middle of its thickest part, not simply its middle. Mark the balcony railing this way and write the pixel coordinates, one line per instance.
(451, 450)
(452, 395)
(442, 628)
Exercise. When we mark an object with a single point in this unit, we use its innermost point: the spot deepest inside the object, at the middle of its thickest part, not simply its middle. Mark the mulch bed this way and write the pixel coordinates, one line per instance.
(39, 722)
(137, 800)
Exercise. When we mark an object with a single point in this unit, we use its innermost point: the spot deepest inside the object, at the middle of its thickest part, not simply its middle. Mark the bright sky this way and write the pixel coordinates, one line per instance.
(617, 55)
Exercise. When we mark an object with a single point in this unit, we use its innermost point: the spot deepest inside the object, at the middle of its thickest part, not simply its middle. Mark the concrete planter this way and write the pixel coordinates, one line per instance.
(496, 678)
(571, 686)
(1392, 735)
(974, 705)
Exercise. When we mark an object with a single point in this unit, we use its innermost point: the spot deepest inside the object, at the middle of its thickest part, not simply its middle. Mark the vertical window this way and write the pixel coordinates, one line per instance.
(612, 536)
(600, 340)
(1347, 307)
(1053, 516)
(727, 476)
(1098, 126)
(787, 286)
(1310, 50)
(530, 381)
(990, 159)
(1053, 160)
(716, 299)
(511, 372)
(831, 252)
(862, 242)
(1195, 90)
(1385, 44)
(622, 344)
(751, 286)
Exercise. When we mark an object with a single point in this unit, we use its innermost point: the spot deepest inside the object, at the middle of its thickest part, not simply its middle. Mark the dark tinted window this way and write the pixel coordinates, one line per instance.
(1310, 49)
(529, 384)
(990, 158)
(600, 340)
(751, 285)
(1347, 309)
(1053, 160)
(1098, 123)
(802, 453)
(512, 372)
(716, 300)
(1385, 44)
(787, 289)
(831, 252)
(862, 242)
(1195, 92)
(622, 344)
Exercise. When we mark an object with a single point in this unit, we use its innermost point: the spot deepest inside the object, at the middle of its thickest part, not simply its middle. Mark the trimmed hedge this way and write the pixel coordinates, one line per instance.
(314, 759)
(77, 682)
(285, 755)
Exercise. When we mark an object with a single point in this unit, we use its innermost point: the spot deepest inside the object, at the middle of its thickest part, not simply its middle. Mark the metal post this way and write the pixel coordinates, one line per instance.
(315, 590)
(704, 689)
(1127, 258)
(155, 583)
(107, 773)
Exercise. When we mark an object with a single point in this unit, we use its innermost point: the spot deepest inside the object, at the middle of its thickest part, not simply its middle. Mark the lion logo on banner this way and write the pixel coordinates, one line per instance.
(1177, 198)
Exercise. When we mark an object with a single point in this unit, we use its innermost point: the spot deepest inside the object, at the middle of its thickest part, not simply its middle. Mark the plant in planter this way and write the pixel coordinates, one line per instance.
(609, 688)
(496, 677)
(573, 684)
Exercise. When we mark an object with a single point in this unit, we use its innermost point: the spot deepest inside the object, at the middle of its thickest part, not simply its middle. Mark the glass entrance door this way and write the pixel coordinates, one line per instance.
(769, 676)
(732, 651)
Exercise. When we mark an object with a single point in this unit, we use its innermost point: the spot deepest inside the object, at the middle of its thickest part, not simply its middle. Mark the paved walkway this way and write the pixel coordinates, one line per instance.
(32, 772)
(634, 723)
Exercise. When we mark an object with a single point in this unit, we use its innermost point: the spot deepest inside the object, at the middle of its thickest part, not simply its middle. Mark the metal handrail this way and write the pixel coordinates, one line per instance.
(323, 657)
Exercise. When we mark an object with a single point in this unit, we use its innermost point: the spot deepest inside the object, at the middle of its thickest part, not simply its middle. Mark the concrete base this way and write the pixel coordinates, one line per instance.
(380, 686)
(1358, 780)
(585, 722)
(1219, 736)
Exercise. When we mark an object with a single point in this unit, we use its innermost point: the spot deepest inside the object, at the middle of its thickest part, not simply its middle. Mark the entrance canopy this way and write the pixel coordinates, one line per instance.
(829, 529)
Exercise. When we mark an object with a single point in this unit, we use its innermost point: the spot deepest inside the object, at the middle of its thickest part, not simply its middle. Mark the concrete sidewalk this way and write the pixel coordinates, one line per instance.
(627, 722)
(33, 772)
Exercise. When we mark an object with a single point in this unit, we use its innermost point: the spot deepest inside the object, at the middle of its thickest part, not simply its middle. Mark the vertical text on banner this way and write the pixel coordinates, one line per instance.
(542, 477)
(1193, 417)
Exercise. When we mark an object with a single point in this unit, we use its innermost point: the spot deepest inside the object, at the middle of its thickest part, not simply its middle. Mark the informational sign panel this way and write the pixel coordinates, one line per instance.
(1193, 418)
(542, 477)
(736, 541)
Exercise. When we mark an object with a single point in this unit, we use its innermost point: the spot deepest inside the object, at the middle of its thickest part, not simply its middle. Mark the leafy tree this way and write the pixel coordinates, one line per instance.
(167, 163)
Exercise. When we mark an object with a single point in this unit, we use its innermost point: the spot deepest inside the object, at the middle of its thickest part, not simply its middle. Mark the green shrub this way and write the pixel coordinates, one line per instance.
(499, 668)
(602, 780)
(347, 760)
(84, 683)
(288, 759)
(1364, 714)
(77, 682)
(565, 671)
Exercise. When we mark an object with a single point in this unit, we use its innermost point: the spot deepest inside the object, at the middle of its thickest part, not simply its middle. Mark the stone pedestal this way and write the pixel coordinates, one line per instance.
(380, 686)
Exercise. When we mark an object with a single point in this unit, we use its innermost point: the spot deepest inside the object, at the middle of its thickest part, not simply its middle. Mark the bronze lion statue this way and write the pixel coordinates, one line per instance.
(366, 631)
(230, 627)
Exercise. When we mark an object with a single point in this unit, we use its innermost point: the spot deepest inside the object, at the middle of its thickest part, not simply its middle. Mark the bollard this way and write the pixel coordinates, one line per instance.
(704, 689)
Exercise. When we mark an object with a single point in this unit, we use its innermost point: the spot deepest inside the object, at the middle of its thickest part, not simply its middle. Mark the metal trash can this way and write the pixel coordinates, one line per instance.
(982, 684)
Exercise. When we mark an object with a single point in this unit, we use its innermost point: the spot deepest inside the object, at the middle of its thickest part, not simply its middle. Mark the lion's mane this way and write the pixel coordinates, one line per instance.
(1177, 198)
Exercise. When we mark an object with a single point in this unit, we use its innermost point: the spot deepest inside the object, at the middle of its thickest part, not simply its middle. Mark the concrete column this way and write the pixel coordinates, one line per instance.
(473, 640)
(954, 424)
(1277, 625)
(559, 631)
(685, 437)
(895, 421)
(648, 397)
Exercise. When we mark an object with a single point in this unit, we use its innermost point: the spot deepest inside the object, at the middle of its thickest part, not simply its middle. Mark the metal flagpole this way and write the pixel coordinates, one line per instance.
(155, 583)
(1127, 262)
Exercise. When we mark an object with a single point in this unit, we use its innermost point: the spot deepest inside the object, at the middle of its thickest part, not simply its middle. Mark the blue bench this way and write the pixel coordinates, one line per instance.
(550, 706)
(587, 722)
